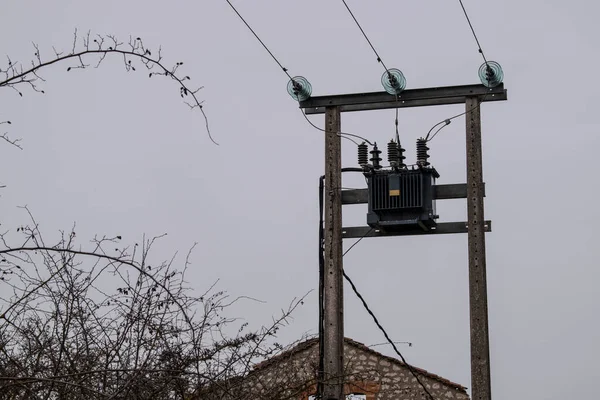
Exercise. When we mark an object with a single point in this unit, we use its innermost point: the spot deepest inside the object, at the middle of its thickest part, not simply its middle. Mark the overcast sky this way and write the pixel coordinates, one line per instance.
(118, 153)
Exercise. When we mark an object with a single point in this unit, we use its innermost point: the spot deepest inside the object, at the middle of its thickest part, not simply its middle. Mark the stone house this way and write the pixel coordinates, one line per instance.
(369, 375)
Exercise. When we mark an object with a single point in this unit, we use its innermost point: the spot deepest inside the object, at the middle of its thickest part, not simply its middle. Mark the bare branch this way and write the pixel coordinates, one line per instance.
(15, 75)
(14, 142)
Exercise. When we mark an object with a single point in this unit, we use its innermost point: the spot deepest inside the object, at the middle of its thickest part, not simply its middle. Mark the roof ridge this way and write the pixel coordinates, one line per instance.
(308, 343)
(421, 371)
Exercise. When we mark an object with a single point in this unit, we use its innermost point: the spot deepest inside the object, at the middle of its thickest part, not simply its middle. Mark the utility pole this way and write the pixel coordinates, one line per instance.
(333, 298)
(480, 345)
(476, 227)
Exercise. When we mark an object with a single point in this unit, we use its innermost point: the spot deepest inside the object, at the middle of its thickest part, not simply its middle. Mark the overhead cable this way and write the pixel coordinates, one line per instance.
(285, 70)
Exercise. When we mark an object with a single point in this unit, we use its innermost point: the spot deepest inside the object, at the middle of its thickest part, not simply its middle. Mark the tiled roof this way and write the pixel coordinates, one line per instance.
(307, 344)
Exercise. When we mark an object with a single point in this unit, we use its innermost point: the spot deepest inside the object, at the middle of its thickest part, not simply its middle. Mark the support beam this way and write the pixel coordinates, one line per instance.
(442, 229)
(333, 301)
(408, 98)
(480, 346)
(440, 192)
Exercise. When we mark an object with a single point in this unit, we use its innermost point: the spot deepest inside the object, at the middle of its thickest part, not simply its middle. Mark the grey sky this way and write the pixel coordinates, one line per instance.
(119, 153)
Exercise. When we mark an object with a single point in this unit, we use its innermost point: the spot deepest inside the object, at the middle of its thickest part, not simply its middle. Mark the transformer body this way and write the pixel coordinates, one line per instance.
(402, 199)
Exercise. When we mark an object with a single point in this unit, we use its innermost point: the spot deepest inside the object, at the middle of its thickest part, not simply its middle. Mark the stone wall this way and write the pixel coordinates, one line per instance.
(393, 379)
(293, 374)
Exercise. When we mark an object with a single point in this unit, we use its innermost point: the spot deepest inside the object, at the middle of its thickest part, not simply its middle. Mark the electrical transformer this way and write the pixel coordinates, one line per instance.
(400, 197)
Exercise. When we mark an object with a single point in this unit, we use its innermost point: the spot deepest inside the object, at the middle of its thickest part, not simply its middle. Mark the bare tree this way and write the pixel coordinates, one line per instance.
(91, 51)
(107, 323)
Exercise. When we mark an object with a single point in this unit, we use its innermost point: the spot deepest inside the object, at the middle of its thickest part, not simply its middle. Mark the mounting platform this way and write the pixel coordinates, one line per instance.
(408, 98)
(441, 192)
(441, 229)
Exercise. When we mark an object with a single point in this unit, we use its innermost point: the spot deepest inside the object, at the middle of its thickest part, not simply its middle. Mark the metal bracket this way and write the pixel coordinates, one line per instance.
(441, 229)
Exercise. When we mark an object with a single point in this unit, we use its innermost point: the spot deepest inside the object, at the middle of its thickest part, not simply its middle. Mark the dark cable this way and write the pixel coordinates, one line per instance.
(261, 42)
(448, 120)
(353, 169)
(342, 134)
(358, 241)
(383, 344)
(364, 34)
(350, 139)
(473, 31)
(387, 337)
(396, 123)
(379, 60)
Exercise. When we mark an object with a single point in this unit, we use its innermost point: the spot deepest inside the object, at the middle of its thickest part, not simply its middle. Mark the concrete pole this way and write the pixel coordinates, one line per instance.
(480, 345)
(333, 299)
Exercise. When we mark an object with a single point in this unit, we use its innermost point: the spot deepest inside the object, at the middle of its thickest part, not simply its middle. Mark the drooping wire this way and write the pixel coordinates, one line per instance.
(479, 48)
(386, 343)
(342, 134)
(350, 139)
(447, 121)
(379, 60)
(358, 241)
(285, 70)
(387, 337)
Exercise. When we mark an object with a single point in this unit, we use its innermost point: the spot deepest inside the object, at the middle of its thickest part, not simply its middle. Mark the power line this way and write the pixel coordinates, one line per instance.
(260, 41)
(387, 337)
(285, 70)
(379, 60)
(473, 31)
(364, 34)
(358, 241)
